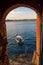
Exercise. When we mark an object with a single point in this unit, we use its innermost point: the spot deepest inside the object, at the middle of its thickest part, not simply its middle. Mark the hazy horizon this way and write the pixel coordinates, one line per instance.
(21, 13)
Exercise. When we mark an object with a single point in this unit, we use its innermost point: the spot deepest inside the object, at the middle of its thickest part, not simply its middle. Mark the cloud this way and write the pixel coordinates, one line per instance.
(21, 15)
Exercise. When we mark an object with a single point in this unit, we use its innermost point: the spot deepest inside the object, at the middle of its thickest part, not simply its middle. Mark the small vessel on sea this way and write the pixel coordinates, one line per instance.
(19, 39)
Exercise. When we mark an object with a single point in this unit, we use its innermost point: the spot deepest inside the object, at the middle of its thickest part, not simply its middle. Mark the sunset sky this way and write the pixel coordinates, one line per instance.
(21, 13)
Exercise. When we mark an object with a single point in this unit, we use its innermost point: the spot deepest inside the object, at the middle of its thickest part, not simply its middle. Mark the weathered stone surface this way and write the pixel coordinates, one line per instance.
(0, 50)
(0, 62)
(3, 45)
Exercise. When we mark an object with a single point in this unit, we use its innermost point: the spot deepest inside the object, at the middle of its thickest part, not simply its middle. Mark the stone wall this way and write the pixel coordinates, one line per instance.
(3, 45)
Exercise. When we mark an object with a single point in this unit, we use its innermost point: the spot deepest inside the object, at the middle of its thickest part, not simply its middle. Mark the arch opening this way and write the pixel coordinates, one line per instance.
(22, 26)
(37, 27)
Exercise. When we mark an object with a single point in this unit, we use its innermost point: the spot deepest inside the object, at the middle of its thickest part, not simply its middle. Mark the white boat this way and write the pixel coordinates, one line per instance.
(19, 39)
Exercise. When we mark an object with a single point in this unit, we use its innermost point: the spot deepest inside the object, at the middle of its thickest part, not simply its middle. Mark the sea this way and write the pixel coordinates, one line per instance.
(26, 29)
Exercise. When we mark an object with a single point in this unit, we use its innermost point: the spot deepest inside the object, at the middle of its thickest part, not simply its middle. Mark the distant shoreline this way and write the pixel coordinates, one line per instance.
(22, 20)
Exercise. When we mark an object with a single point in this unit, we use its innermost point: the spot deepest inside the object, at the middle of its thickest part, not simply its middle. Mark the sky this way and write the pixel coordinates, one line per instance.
(21, 13)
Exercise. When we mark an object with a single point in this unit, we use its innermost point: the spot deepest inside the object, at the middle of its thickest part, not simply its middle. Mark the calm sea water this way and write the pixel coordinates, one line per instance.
(27, 30)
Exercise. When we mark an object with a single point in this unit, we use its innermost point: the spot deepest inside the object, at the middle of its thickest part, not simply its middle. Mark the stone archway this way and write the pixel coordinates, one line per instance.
(4, 36)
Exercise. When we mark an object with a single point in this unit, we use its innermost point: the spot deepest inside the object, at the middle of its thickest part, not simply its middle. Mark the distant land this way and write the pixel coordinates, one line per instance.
(23, 20)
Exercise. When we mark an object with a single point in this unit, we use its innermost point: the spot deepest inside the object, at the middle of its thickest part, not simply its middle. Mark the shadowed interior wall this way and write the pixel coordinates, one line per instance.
(3, 45)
